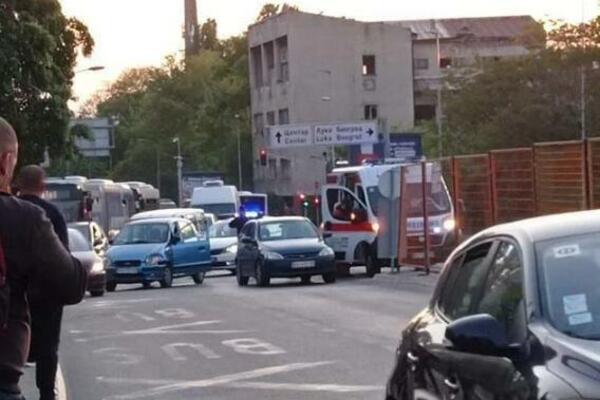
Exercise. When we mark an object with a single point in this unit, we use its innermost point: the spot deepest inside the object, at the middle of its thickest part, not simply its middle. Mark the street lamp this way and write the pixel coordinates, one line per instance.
(328, 99)
(239, 150)
(179, 171)
(91, 69)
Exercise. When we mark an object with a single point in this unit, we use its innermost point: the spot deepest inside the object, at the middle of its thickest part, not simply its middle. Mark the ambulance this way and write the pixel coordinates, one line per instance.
(349, 208)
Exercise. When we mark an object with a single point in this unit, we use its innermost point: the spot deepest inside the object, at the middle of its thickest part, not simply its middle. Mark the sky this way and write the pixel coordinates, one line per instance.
(135, 33)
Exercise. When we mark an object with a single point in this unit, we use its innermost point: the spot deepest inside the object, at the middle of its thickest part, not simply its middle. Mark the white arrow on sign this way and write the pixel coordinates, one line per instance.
(283, 136)
(347, 133)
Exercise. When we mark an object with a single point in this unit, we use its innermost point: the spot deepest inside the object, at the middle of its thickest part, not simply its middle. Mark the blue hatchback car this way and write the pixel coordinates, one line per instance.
(282, 247)
(160, 250)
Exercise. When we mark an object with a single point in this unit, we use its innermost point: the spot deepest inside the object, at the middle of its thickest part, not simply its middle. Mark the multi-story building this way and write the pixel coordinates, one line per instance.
(307, 68)
(445, 45)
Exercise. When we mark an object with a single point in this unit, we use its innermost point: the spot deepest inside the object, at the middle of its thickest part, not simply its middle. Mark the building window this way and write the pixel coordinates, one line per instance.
(282, 54)
(258, 124)
(421, 63)
(270, 59)
(368, 67)
(424, 112)
(445, 62)
(284, 116)
(271, 118)
(370, 112)
(286, 168)
(257, 66)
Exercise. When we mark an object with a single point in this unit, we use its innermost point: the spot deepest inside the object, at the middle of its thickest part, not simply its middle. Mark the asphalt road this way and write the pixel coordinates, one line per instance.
(220, 341)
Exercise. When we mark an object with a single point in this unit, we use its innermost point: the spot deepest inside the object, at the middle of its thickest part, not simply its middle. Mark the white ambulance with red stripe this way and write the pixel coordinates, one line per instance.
(349, 205)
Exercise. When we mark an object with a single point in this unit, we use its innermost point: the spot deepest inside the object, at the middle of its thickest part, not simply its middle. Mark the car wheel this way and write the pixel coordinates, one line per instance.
(369, 262)
(198, 277)
(167, 280)
(329, 277)
(111, 286)
(241, 280)
(262, 278)
(147, 285)
(97, 293)
(305, 279)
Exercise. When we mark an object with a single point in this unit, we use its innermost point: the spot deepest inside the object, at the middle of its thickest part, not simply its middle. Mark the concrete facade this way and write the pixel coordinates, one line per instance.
(307, 68)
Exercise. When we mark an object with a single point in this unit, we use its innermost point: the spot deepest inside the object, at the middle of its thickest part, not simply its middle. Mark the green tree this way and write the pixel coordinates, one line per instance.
(270, 10)
(38, 51)
(519, 101)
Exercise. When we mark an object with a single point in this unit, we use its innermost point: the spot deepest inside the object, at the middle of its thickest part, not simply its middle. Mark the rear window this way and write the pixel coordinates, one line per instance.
(77, 243)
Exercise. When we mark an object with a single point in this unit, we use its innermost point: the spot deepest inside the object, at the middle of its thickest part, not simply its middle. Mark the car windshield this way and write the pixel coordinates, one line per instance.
(143, 234)
(222, 230)
(77, 243)
(570, 276)
(285, 230)
(218, 209)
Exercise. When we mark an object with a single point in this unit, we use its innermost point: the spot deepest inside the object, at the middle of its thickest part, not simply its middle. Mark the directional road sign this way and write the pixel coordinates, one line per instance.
(284, 136)
(347, 133)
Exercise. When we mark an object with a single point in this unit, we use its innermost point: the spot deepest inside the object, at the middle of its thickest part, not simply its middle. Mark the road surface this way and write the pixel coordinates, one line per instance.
(220, 341)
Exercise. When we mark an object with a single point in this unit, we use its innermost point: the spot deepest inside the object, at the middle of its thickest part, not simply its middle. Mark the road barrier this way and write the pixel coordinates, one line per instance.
(503, 186)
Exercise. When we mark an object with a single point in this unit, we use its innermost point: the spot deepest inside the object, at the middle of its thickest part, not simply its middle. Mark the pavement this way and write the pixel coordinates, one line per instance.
(221, 341)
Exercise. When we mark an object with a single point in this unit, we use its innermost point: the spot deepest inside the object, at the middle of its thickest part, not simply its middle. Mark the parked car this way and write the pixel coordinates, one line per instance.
(277, 247)
(223, 246)
(94, 234)
(515, 315)
(82, 250)
(159, 249)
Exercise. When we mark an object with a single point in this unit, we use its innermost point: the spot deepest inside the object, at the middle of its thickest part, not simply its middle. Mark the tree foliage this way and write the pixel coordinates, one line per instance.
(516, 102)
(196, 100)
(38, 51)
(271, 9)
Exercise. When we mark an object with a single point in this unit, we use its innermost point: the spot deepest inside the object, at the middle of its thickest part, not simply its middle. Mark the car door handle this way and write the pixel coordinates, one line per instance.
(452, 385)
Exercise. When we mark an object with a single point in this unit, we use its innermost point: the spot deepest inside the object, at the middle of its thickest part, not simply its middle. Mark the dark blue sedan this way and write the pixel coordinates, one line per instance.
(283, 247)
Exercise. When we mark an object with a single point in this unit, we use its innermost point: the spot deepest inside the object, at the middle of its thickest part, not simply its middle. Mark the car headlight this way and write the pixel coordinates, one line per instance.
(232, 249)
(326, 252)
(98, 266)
(155, 259)
(271, 255)
(449, 224)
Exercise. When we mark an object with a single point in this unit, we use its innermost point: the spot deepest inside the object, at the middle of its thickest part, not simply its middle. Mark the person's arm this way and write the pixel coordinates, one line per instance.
(60, 226)
(61, 278)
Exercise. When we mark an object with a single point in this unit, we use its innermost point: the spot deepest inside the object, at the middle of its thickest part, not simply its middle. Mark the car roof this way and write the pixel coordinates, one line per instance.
(80, 223)
(165, 213)
(280, 219)
(166, 220)
(549, 227)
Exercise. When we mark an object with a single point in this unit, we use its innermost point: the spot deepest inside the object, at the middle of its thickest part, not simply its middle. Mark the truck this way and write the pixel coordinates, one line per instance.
(349, 208)
(216, 198)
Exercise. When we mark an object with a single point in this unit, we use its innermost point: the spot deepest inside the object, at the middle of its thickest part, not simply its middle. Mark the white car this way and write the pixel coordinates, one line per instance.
(223, 245)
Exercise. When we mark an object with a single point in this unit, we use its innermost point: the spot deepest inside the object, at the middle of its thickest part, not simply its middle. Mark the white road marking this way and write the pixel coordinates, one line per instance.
(118, 355)
(172, 351)
(61, 387)
(180, 313)
(165, 330)
(217, 381)
(127, 316)
(304, 387)
(253, 346)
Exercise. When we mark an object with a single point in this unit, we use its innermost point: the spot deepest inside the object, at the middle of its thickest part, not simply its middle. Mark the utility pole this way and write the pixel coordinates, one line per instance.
(583, 105)
(179, 172)
(439, 111)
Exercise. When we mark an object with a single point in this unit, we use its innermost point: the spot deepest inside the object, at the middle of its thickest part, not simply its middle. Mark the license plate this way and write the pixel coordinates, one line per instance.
(128, 270)
(303, 264)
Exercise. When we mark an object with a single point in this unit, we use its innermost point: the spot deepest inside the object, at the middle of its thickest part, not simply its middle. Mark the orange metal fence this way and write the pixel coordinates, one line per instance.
(512, 184)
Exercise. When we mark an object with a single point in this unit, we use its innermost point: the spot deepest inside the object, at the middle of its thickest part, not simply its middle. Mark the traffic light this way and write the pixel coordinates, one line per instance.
(317, 201)
(263, 157)
(303, 200)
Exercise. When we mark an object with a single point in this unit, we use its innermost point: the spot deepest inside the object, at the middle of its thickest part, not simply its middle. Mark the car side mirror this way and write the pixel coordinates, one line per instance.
(478, 334)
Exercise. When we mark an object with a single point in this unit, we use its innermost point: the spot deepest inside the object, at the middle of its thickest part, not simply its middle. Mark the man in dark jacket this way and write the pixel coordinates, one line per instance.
(31, 248)
(46, 317)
